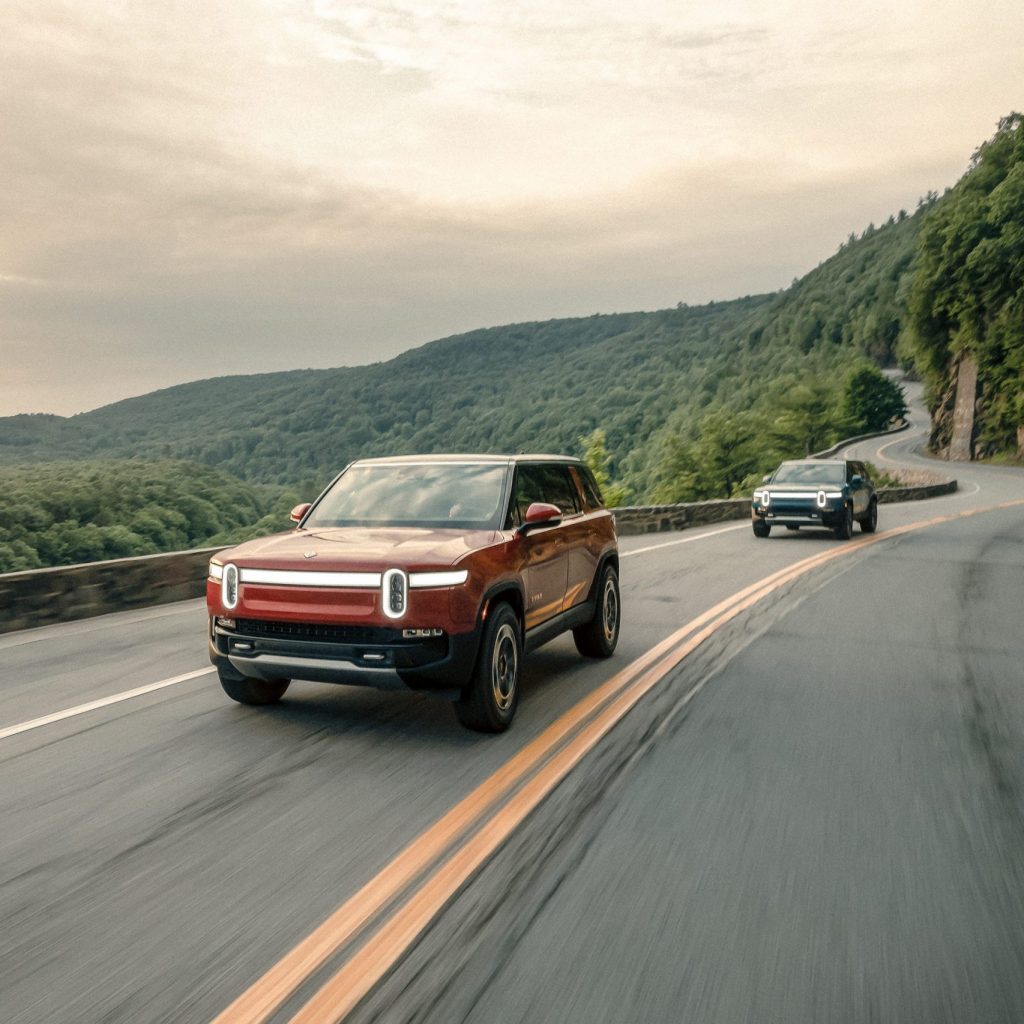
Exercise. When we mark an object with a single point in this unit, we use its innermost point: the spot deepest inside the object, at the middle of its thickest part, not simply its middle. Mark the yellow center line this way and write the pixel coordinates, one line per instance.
(269, 991)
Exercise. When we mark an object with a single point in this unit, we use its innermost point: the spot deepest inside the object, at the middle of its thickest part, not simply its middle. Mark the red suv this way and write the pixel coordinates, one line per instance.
(433, 572)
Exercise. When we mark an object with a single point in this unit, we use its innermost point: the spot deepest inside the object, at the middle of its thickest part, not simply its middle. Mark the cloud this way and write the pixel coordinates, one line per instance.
(192, 189)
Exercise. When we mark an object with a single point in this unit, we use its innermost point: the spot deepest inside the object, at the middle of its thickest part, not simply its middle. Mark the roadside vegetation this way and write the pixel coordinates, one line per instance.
(62, 513)
(967, 297)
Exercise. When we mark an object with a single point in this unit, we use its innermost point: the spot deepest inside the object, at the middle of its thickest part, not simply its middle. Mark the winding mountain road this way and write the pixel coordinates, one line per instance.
(807, 804)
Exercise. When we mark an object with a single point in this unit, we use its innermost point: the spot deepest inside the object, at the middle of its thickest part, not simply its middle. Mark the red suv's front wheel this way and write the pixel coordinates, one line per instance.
(488, 703)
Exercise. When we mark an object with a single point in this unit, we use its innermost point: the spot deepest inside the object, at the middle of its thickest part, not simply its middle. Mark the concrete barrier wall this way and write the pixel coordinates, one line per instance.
(40, 597)
(656, 518)
(890, 495)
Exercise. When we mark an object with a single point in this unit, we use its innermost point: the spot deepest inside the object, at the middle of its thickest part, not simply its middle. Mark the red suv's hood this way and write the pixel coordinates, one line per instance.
(358, 548)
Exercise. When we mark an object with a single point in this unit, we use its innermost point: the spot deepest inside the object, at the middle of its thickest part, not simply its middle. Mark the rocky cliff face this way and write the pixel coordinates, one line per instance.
(961, 443)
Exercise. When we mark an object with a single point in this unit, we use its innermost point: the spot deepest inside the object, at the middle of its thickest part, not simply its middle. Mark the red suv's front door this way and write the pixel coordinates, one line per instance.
(547, 548)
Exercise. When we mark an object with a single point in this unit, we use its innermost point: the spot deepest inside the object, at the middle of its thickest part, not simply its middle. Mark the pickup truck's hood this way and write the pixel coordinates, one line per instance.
(801, 489)
(358, 548)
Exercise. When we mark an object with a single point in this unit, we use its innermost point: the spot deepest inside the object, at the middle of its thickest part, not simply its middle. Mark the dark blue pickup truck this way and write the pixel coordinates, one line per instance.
(831, 493)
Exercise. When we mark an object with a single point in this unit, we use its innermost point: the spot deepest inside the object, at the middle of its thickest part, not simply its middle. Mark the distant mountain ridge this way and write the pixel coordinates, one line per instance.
(640, 376)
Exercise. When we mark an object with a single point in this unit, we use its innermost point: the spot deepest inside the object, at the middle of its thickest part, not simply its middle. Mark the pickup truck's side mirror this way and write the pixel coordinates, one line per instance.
(540, 513)
(767, 478)
(856, 481)
(299, 511)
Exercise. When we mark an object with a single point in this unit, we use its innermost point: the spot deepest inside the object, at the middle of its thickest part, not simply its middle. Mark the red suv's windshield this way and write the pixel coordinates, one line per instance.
(455, 495)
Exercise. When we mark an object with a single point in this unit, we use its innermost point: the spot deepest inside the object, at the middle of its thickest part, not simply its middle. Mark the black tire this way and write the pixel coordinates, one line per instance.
(870, 522)
(490, 698)
(254, 691)
(844, 528)
(761, 528)
(598, 637)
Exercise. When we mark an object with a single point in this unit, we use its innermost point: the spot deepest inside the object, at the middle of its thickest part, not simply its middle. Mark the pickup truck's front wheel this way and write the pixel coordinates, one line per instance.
(870, 522)
(253, 691)
(843, 530)
(488, 702)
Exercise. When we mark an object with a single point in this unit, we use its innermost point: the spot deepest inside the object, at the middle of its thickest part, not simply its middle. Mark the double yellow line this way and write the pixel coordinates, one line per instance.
(414, 887)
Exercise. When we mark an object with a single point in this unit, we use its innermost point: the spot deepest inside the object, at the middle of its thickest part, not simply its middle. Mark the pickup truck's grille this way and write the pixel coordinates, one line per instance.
(802, 505)
(316, 632)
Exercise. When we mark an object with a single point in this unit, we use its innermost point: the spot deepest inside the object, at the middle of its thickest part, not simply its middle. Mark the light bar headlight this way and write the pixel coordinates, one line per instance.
(229, 586)
(454, 578)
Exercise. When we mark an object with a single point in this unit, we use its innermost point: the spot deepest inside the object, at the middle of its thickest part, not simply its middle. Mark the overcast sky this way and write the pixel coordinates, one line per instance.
(195, 189)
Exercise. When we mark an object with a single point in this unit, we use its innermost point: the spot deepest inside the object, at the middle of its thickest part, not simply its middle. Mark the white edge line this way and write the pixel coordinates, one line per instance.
(685, 540)
(59, 630)
(102, 702)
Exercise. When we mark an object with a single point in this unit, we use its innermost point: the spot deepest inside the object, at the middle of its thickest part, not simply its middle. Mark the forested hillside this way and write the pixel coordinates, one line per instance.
(66, 512)
(641, 377)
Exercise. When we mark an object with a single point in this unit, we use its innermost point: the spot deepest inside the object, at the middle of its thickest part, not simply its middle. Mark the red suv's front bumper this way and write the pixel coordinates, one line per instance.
(336, 653)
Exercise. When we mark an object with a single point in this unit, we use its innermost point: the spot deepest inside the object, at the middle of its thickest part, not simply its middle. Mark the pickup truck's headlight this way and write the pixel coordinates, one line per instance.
(216, 571)
(454, 578)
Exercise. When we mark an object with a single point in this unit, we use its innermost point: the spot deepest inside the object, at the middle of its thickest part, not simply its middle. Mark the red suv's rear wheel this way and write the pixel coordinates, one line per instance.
(598, 637)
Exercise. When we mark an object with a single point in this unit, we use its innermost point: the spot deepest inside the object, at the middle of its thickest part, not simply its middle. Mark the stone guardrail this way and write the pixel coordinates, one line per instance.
(40, 597)
(839, 445)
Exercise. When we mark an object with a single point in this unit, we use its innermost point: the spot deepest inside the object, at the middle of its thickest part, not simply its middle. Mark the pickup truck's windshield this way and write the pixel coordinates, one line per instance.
(450, 495)
(811, 474)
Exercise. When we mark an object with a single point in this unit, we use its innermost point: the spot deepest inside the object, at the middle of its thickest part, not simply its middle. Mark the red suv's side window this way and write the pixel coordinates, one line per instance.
(588, 484)
(551, 483)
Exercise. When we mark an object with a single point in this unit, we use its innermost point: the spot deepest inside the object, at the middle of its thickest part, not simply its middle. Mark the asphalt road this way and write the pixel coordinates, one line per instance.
(830, 830)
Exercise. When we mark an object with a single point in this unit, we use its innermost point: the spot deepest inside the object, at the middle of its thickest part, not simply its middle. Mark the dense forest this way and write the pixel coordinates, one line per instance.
(968, 293)
(677, 404)
(61, 513)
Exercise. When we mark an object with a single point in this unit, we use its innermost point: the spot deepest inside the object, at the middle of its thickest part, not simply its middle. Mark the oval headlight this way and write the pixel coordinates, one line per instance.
(394, 592)
(229, 586)
(821, 499)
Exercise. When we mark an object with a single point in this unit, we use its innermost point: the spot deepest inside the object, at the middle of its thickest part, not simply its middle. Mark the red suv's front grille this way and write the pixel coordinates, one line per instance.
(317, 632)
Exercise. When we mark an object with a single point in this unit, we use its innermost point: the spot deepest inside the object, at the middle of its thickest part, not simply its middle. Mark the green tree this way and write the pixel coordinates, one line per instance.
(871, 401)
(597, 457)
(729, 448)
(805, 417)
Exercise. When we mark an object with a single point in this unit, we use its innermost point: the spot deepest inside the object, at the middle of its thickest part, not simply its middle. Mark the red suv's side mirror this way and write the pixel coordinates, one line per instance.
(540, 513)
(299, 511)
